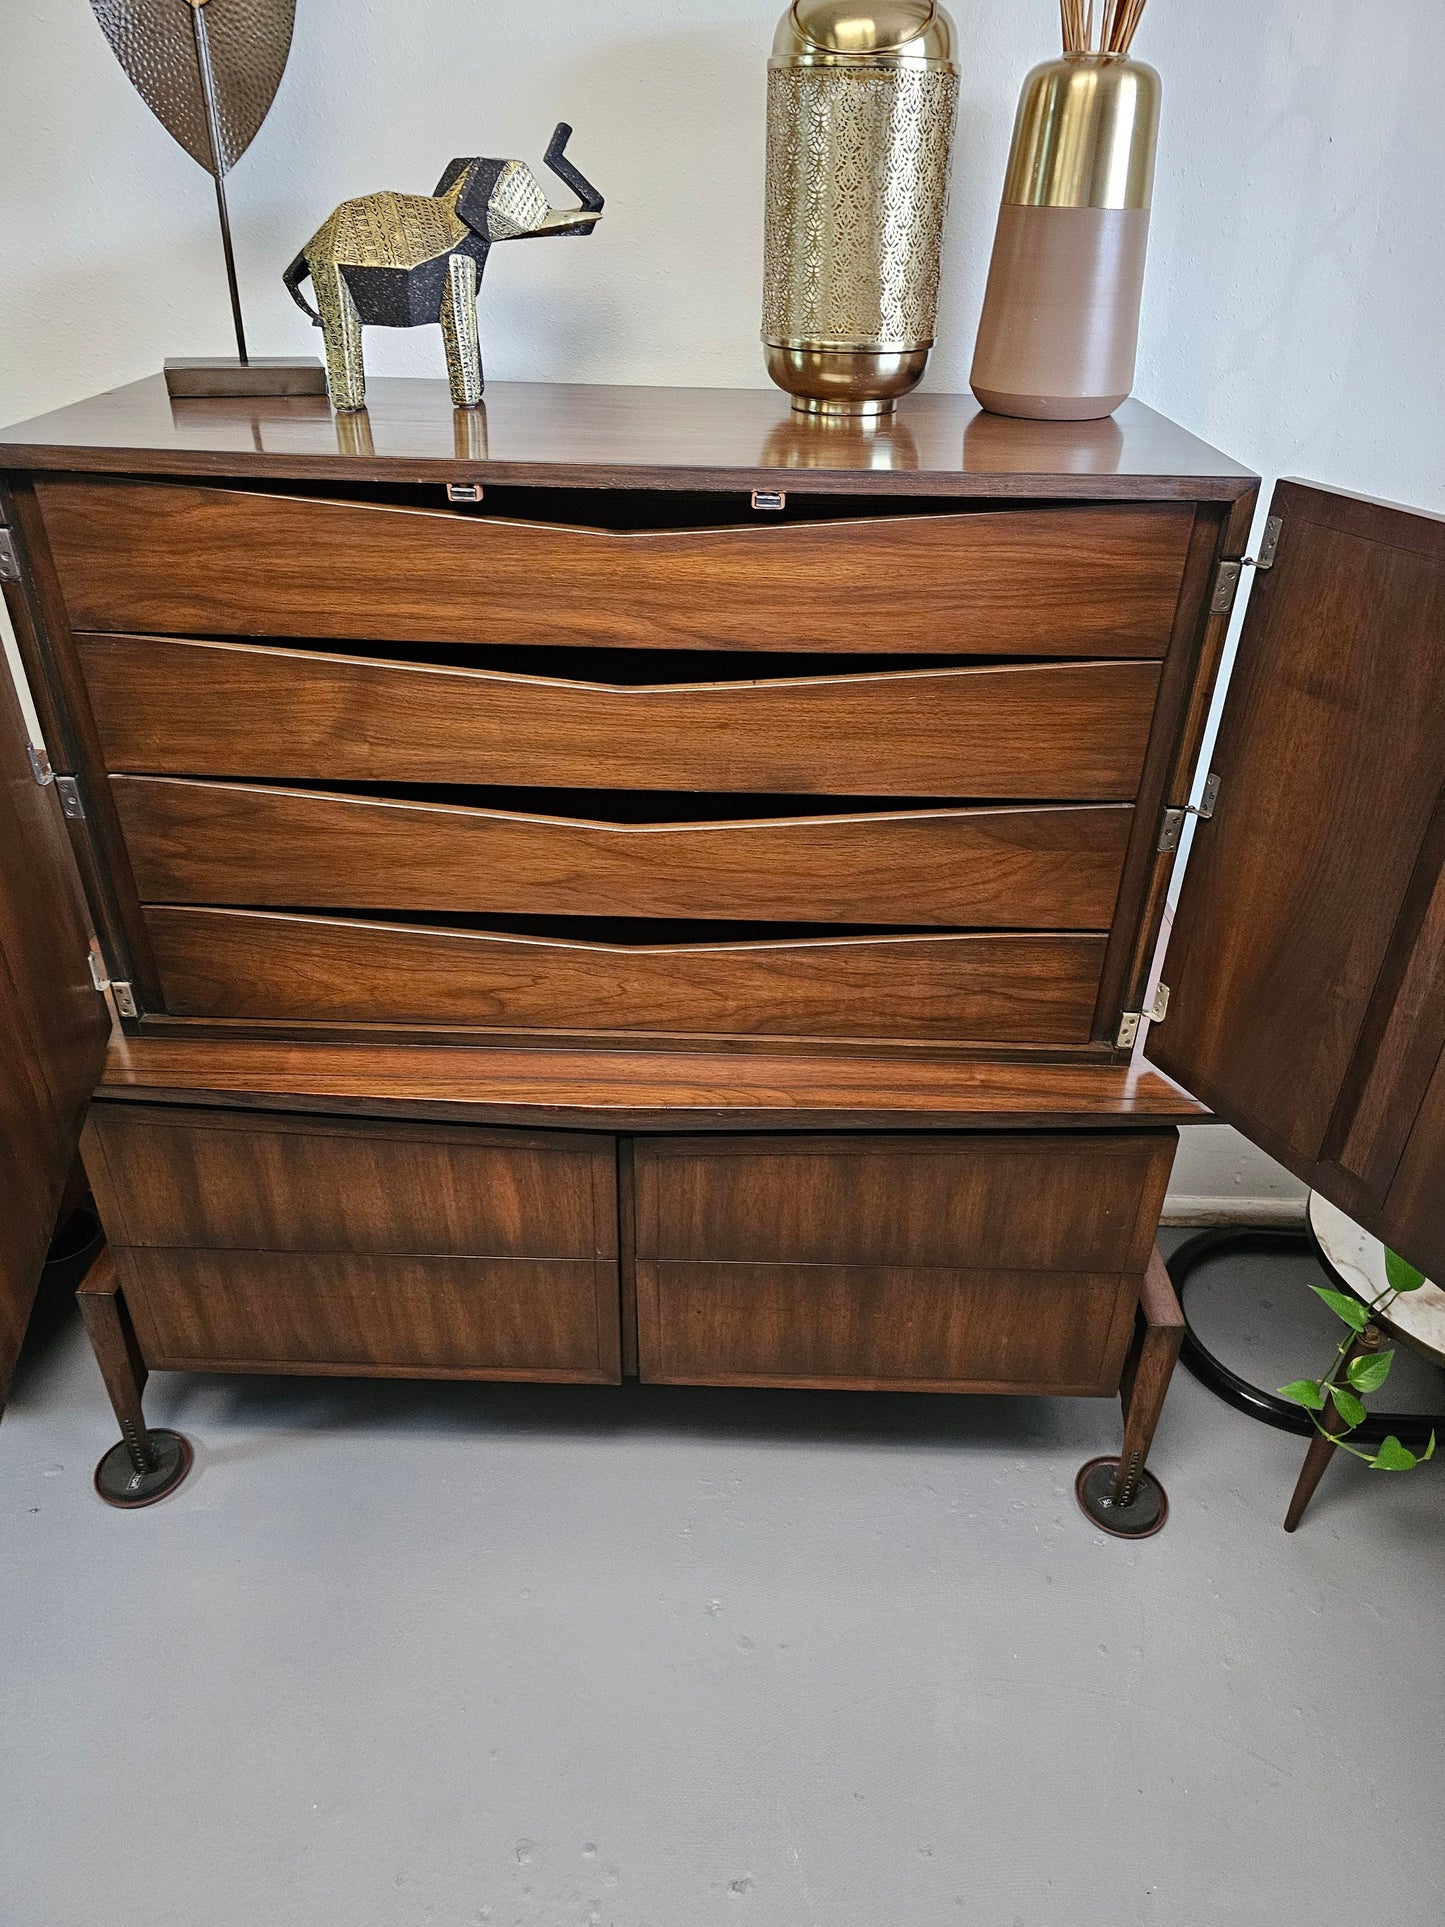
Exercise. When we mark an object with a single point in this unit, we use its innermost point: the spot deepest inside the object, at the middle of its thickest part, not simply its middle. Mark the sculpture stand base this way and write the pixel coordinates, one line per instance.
(221, 376)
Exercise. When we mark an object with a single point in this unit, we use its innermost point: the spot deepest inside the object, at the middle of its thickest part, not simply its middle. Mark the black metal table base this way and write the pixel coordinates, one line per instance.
(1409, 1427)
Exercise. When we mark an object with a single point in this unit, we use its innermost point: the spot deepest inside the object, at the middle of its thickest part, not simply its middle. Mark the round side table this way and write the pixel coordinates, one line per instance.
(1353, 1261)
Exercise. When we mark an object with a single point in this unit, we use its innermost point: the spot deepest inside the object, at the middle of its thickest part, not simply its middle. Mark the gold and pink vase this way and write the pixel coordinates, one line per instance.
(1060, 326)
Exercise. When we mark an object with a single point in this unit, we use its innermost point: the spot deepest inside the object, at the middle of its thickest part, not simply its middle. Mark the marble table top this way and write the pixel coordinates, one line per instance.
(1358, 1260)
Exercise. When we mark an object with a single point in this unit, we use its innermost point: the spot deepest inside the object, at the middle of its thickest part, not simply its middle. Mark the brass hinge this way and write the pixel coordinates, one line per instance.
(1227, 576)
(68, 790)
(1173, 825)
(122, 992)
(39, 765)
(1128, 1033)
(9, 557)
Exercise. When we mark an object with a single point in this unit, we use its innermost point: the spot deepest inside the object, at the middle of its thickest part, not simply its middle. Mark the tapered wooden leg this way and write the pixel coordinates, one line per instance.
(146, 1464)
(1121, 1495)
(1322, 1449)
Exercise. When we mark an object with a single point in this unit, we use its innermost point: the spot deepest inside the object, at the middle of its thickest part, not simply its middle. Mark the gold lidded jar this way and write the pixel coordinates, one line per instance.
(862, 96)
(1060, 327)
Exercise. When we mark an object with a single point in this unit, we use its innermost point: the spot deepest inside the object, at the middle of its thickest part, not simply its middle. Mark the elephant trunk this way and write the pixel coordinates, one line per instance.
(556, 159)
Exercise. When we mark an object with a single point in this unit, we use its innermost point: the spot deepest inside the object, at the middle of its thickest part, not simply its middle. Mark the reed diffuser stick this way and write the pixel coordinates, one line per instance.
(1118, 23)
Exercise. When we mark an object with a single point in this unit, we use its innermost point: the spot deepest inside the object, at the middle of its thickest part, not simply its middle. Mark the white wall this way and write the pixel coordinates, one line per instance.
(1292, 314)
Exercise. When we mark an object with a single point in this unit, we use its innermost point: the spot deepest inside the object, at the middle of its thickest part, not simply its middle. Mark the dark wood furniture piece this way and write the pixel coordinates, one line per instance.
(630, 881)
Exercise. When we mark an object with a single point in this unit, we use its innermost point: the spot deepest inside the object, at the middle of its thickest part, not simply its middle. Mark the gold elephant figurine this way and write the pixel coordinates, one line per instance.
(397, 260)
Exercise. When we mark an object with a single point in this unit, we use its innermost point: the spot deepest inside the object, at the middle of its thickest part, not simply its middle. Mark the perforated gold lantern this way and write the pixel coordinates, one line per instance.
(861, 106)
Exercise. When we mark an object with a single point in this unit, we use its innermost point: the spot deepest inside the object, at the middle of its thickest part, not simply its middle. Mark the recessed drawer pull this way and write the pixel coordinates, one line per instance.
(993, 988)
(1077, 580)
(1050, 867)
(1072, 730)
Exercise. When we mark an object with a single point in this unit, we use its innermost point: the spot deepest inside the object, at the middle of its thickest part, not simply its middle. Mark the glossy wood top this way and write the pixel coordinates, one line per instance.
(645, 1090)
(553, 434)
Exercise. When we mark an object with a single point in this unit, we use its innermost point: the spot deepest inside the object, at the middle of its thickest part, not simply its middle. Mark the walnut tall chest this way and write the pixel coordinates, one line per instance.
(627, 881)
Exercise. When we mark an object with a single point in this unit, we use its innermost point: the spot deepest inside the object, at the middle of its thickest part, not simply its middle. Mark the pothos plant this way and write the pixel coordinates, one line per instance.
(1366, 1372)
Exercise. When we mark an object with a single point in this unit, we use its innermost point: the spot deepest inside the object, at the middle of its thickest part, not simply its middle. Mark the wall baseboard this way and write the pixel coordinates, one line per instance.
(1273, 1213)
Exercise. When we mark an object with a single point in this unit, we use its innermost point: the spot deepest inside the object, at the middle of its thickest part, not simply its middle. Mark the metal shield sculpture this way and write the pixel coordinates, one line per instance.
(155, 42)
(209, 70)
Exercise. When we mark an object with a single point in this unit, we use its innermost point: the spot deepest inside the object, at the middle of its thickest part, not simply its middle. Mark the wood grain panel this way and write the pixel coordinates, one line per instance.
(1414, 1216)
(402, 1316)
(53, 1026)
(1332, 763)
(1046, 868)
(216, 1178)
(1403, 1035)
(1043, 1203)
(877, 1328)
(616, 1088)
(240, 963)
(596, 435)
(164, 557)
(1074, 731)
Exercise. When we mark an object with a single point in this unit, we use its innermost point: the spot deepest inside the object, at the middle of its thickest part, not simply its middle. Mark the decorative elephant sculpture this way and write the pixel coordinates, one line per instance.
(397, 260)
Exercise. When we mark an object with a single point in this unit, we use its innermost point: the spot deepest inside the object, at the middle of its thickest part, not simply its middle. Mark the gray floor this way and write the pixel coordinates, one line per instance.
(419, 1655)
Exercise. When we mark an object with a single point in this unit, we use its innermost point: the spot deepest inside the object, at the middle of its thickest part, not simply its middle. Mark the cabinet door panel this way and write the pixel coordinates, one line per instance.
(1310, 890)
(1414, 1220)
(53, 1025)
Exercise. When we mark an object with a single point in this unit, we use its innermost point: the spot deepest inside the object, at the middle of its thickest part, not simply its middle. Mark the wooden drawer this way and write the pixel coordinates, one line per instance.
(876, 1328)
(177, 559)
(165, 1176)
(1075, 731)
(330, 1311)
(1025, 1201)
(1025, 868)
(989, 1263)
(1002, 988)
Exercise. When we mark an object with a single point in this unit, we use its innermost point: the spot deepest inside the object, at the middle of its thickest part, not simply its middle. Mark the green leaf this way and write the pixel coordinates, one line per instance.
(1350, 1309)
(1348, 1406)
(1369, 1372)
(1402, 1277)
(1305, 1391)
(1394, 1457)
(1429, 1451)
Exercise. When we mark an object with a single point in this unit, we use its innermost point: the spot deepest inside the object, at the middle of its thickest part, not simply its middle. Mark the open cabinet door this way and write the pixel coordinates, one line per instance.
(53, 1023)
(1307, 962)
